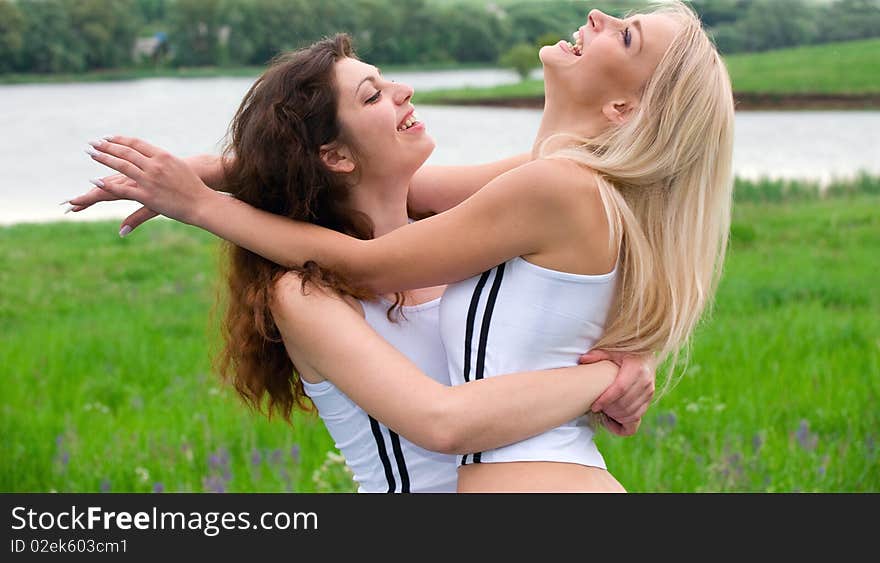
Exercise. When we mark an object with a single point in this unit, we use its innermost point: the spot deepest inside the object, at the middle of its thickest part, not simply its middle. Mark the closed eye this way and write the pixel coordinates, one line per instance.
(375, 97)
(627, 37)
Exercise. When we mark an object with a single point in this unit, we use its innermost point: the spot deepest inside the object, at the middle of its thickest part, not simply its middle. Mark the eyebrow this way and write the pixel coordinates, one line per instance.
(370, 78)
(638, 25)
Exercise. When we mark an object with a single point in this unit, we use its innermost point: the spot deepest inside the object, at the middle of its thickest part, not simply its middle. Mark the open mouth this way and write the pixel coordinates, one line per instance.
(411, 121)
(577, 47)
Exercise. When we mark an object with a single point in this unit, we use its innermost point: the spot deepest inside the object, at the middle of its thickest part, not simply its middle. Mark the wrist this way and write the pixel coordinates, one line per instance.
(204, 207)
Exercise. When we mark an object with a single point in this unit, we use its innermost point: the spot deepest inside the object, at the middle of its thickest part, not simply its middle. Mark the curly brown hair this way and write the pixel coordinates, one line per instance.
(274, 164)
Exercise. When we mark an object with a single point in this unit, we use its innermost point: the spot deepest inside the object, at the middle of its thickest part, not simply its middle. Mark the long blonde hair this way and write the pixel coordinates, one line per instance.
(666, 181)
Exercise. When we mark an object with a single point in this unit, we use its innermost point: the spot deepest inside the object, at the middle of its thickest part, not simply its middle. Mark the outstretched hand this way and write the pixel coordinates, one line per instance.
(162, 182)
(97, 195)
(627, 399)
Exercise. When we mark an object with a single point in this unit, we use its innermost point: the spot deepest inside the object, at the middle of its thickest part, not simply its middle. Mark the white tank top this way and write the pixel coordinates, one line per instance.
(381, 460)
(519, 317)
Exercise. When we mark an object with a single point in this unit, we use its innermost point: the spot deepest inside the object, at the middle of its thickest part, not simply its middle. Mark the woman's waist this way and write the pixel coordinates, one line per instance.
(535, 476)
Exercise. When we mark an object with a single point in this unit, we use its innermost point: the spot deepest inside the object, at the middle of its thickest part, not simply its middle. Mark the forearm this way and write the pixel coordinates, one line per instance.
(209, 167)
(498, 411)
(435, 189)
(284, 241)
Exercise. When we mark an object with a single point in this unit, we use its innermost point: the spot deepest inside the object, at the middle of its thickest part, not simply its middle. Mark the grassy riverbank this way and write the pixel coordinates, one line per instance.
(106, 380)
(833, 75)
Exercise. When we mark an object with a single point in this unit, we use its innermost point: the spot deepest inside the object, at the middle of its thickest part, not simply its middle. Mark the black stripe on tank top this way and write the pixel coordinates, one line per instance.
(401, 462)
(383, 455)
(469, 326)
(484, 333)
(469, 330)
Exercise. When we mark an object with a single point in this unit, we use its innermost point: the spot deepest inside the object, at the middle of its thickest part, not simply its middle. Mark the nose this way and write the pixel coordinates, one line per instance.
(402, 93)
(596, 20)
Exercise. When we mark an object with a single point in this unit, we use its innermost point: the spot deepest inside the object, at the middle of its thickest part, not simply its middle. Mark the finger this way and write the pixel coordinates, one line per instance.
(136, 219)
(637, 378)
(123, 190)
(631, 406)
(116, 163)
(121, 151)
(626, 377)
(594, 356)
(90, 198)
(627, 429)
(609, 396)
(139, 145)
(613, 426)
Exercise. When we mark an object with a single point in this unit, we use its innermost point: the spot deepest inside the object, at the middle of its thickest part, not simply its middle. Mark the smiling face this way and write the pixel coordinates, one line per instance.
(609, 60)
(379, 126)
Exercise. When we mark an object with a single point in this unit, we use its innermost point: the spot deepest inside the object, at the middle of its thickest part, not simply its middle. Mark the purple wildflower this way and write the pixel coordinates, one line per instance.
(669, 419)
(823, 467)
(757, 442)
(808, 440)
(158, 488)
(214, 484)
(219, 474)
(294, 453)
(256, 457)
(105, 485)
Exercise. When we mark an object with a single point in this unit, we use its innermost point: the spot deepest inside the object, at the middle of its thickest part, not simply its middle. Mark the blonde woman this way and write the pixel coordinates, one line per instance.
(612, 237)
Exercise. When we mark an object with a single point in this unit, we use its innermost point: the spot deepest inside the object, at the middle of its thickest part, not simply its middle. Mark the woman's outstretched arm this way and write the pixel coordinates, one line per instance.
(327, 337)
(433, 189)
(522, 212)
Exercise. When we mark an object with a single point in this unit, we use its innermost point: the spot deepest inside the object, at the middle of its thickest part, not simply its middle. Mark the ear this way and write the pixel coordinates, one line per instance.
(337, 158)
(618, 111)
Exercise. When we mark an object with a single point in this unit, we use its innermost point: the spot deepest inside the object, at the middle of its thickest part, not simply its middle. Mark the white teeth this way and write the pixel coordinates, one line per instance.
(410, 121)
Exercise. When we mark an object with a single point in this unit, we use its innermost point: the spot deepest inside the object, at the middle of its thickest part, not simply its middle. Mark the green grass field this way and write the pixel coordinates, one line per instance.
(838, 68)
(106, 379)
(849, 68)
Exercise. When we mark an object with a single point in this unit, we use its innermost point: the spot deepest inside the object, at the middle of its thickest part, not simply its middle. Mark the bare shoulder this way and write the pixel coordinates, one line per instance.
(574, 217)
(291, 298)
(555, 180)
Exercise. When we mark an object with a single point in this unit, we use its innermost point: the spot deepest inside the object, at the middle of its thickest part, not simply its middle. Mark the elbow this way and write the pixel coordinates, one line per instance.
(443, 442)
(448, 434)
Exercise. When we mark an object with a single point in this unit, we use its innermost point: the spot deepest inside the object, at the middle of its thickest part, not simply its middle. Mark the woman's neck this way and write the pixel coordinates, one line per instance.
(383, 201)
(560, 117)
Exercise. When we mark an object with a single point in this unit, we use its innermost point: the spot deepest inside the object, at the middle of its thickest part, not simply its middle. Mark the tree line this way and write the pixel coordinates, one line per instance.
(51, 36)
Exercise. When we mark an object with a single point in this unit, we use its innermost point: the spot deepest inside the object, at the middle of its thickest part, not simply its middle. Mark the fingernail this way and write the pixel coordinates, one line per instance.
(98, 182)
(69, 209)
(96, 143)
(124, 230)
(92, 152)
(64, 202)
(108, 138)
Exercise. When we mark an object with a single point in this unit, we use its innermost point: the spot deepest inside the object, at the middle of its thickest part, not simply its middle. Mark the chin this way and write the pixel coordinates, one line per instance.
(546, 54)
(428, 150)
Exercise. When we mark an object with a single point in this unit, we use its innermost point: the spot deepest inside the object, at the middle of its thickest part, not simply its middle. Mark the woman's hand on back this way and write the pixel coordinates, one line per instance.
(627, 399)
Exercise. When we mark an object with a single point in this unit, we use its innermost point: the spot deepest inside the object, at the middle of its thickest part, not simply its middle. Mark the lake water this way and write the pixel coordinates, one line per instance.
(46, 128)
